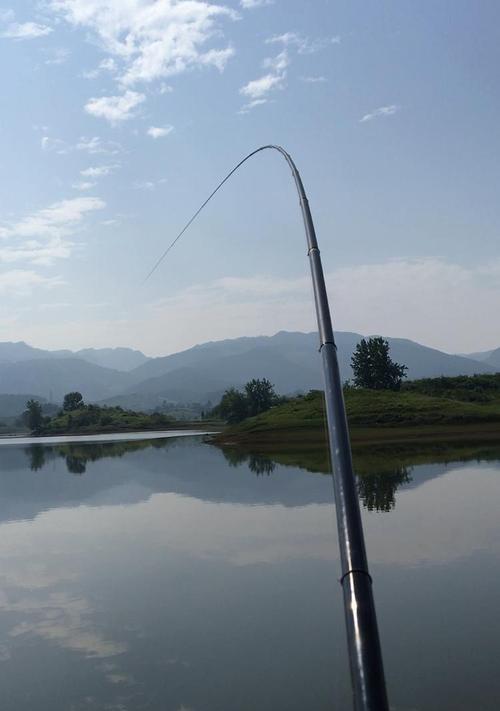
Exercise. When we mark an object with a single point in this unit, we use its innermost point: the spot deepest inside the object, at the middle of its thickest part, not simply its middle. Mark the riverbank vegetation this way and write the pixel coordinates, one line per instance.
(76, 417)
(386, 415)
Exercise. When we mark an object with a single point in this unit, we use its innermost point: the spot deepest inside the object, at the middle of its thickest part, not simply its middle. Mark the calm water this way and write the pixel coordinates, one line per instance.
(162, 575)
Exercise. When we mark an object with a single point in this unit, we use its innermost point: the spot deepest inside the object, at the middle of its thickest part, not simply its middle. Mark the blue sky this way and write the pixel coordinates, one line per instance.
(118, 117)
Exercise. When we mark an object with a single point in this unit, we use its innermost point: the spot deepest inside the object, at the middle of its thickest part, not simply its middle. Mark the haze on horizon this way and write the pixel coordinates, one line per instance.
(112, 136)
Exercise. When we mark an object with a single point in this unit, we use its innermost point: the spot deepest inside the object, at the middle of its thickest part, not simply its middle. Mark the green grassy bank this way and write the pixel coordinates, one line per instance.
(92, 419)
(374, 416)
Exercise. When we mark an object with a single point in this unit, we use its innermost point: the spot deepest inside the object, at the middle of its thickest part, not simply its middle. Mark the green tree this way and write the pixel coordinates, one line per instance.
(260, 396)
(233, 407)
(72, 401)
(33, 416)
(373, 367)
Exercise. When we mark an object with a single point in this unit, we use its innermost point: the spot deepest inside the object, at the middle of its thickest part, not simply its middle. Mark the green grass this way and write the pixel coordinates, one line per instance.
(92, 419)
(385, 412)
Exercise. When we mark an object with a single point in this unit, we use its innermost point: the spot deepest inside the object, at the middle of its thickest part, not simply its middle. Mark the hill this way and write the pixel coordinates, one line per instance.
(200, 374)
(302, 419)
(289, 360)
(52, 378)
(124, 359)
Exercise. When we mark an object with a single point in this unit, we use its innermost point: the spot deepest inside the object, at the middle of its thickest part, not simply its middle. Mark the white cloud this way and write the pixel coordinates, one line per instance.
(97, 171)
(258, 89)
(314, 80)
(115, 108)
(93, 146)
(165, 89)
(22, 282)
(381, 111)
(150, 41)
(144, 185)
(83, 185)
(304, 45)
(159, 131)
(107, 65)
(96, 145)
(57, 56)
(54, 144)
(41, 237)
(25, 30)
(250, 4)
(427, 300)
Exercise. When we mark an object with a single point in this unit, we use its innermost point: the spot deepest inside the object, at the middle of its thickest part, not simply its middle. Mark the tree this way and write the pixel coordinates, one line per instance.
(373, 368)
(233, 407)
(72, 401)
(33, 416)
(260, 396)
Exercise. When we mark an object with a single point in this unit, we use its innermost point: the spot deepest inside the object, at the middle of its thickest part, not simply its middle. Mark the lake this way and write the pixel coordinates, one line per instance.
(167, 575)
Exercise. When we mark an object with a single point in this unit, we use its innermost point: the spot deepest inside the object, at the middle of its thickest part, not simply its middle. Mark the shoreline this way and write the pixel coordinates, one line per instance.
(89, 437)
(362, 436)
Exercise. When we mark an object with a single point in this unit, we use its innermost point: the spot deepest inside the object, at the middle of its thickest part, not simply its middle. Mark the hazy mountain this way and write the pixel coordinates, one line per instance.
(51, 378)
(14, 405)
(123, 359)
(116, 358)
(493, 359)
(21, 351)
(480, 355)
(290, 360)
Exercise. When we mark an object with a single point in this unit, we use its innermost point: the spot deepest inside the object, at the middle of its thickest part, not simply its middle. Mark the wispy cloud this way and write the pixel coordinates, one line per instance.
(25, 30)
(55, 145)
(314, 80)
(159, 131)
(41, 237)
(83, 185)
(57, 56)
(148, 41)
(304, 45)
(250, 4)
(98, 171)
(93, 145)
(258, 90)
(115, 108)
(381, 111)
(22, 282)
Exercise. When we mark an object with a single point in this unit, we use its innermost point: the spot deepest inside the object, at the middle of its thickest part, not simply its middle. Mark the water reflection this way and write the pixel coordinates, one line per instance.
(377, 491)
(166, 575)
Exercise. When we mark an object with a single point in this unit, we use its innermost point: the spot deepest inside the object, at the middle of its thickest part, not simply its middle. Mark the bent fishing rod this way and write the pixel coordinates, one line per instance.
(365, 656)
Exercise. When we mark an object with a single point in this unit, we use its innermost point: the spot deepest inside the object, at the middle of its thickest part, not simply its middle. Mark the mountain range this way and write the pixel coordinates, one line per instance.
(201, 374)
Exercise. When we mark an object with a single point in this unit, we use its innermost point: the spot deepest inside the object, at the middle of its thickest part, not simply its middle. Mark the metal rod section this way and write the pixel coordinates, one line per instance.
(365, 656)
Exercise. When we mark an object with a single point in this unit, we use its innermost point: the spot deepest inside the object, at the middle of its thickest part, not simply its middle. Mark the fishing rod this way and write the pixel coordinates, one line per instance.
(365, 655)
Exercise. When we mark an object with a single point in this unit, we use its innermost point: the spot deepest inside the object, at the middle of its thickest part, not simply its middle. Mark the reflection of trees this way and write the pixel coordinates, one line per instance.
(257, 463)
(77, 455)
(36, 453)
(377, 491)
(76, 465)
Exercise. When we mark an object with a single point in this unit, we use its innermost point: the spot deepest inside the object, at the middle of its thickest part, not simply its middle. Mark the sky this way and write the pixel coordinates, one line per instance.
(118, 118)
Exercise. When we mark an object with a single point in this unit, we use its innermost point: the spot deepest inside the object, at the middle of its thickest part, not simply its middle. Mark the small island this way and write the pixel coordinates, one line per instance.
(381, 408)
(76, 417)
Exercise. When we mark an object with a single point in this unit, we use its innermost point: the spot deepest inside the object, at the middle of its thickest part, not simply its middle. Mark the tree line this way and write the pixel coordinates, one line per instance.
(372, 367)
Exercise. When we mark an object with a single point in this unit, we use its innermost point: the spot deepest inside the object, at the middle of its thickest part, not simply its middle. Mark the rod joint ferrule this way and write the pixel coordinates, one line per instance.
(353, 571)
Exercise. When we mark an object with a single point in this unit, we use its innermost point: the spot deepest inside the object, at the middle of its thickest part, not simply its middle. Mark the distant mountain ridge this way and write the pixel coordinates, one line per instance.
(202, 373)
(124, 359)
